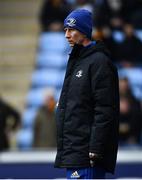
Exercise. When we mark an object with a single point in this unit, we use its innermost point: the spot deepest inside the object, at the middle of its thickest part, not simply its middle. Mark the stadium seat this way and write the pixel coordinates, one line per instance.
(133, 74)
(118, 36)
(35, 97)
(24, 138)
(51, 60)
(138, 34)
(53, 41)
(48, 77)
(29, 117)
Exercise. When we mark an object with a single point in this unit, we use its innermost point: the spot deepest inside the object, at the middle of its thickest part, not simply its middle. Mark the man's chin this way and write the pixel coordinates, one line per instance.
(71, 44)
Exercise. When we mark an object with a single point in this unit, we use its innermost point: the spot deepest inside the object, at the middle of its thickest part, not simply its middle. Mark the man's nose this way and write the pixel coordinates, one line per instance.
(67, 34)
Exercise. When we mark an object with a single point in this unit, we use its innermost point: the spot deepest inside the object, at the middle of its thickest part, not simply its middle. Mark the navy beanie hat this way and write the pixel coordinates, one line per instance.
(80, 19)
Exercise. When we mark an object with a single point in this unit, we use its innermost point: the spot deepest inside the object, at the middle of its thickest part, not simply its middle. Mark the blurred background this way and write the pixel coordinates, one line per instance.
(33, 58)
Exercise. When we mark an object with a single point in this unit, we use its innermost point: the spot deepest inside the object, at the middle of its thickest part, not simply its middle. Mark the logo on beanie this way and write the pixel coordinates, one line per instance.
(71, 22)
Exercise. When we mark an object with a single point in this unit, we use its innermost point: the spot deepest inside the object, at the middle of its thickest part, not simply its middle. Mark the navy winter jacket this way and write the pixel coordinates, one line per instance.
(88, 110)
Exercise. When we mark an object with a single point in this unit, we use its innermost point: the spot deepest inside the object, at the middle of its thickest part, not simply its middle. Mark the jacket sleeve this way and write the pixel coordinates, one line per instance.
(104, 84)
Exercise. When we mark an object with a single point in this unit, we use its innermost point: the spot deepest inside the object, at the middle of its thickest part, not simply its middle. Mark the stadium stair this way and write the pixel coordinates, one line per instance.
(18, 36)
(19, 31)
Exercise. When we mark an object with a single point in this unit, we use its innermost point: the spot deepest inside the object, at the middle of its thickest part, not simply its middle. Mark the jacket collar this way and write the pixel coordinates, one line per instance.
(79, 51)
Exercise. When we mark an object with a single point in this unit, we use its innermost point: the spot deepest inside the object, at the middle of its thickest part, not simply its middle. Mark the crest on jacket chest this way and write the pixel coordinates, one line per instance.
(79, 73)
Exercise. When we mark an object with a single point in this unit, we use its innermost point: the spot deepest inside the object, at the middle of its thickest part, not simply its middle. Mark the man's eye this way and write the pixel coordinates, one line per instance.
(68, 29)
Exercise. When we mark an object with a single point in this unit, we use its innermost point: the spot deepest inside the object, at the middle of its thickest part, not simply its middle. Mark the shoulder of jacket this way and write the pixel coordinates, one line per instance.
(101, 61)
(100, 58)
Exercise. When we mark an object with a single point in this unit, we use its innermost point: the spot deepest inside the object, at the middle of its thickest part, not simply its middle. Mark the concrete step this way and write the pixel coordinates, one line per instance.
(6, 52)
(18, 26)
(8, 76)
(7, 71)
(19, 30)
(14, 73)
(24, 53)
(27, 40)
(20, 16)
(17, 50)
(15, 85)
(19, 7)
(18, 61)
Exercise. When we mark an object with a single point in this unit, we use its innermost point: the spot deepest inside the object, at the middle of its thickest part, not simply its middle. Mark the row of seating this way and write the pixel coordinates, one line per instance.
(51, 61)
(119, 35)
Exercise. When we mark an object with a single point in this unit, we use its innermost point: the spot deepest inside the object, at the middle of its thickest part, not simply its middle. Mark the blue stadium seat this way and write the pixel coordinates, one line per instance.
(24, 139)
(133, 74)
(118, 36)
(35, 97)
(29, 117)
(53, 41)
(138, 33)
(48, 77)
(51, 60)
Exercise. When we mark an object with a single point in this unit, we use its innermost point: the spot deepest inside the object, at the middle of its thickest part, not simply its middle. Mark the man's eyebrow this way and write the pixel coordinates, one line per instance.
(68, 28)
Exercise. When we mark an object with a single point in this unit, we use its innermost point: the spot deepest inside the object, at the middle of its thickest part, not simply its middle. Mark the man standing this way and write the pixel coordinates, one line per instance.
(88, 109)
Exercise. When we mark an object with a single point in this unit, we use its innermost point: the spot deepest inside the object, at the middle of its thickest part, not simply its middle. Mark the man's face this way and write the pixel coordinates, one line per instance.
(74, 36)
